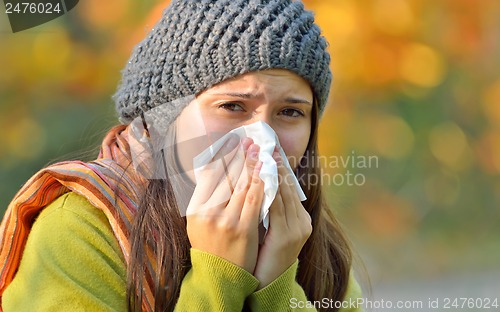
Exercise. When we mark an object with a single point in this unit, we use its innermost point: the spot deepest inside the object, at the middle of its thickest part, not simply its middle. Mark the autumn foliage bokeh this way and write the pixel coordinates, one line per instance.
(416, 84)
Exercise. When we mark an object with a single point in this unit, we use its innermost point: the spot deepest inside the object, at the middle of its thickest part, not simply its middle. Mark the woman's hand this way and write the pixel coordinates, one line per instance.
(226, 203)
(289, 229)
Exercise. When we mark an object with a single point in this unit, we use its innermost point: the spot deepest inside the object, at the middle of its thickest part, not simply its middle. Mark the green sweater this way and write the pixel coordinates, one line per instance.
(72, 262)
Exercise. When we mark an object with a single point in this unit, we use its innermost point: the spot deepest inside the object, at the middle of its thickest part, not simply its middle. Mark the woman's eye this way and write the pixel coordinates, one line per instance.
(231, 107)
(290, 112)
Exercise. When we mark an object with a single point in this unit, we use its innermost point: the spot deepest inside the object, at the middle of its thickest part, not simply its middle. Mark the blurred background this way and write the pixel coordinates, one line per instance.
(416, 87)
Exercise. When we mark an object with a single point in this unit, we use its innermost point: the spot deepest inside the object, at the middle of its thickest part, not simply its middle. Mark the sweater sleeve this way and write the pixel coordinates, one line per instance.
(286, 294)
(282, 294)
(71, 262)
(214, 284)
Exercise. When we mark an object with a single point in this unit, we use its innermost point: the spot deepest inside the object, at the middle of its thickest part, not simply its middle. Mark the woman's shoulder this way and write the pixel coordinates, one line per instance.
(71, 218)
(70, 205)
(70, 251)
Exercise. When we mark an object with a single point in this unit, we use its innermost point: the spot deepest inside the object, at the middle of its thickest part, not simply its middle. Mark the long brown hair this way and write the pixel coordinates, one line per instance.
(324, 262)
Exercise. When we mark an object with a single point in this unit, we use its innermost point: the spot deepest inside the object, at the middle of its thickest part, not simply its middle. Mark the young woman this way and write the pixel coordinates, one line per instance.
(112, 234)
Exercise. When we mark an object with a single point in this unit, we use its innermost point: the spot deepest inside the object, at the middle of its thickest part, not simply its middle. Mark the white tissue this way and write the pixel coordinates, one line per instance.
(264, 136)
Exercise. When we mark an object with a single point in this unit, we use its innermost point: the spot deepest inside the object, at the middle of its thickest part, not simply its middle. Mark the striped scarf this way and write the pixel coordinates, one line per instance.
(105, 182)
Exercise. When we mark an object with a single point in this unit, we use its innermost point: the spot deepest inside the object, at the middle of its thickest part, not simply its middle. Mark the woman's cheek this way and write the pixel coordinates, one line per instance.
(294, 147)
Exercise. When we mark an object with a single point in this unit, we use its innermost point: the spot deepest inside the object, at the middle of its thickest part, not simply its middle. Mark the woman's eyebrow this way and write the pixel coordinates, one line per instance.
(293, 100)
(236, 94)
(290, 100)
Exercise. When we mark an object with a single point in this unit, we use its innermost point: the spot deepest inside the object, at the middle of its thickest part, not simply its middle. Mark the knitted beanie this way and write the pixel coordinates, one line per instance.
(199, 43)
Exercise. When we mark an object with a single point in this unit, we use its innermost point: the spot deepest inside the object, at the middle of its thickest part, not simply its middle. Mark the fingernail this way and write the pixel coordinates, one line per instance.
(245, 141)
(253, 151)
(254, 155)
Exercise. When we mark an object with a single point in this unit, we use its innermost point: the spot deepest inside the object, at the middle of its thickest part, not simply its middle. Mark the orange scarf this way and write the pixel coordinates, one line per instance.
(109, 183)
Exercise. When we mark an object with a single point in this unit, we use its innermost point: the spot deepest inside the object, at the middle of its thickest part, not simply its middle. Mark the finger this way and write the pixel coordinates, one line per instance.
(292, 183)
(298, 219)
(253, 199)
(211, 174)
(287, 193)
(215, 167)
(291, 197)
(245, 179)
(219, 199)
(252, 157)
(225, 187)
(246, 142)
(233, 170)
(277, 218)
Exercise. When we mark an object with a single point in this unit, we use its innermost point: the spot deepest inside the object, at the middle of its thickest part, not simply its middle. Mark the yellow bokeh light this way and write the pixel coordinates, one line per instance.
(347, 64)
(380, 64)
(25, 139)
(330, 138)
(449, 145)
(421, 65)
(16, 63)
(390, 136)
(393, 16)
(102, 14)
(51, 53)
(338, 21)
(82, 70)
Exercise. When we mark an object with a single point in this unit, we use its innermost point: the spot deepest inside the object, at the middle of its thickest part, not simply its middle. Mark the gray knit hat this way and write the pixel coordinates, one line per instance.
(199, 43)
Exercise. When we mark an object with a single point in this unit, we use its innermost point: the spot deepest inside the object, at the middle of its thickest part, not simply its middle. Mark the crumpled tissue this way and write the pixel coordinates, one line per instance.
(264, 136)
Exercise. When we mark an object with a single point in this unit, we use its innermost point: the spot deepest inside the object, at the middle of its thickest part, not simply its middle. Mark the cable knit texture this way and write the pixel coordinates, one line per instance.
(197, 44)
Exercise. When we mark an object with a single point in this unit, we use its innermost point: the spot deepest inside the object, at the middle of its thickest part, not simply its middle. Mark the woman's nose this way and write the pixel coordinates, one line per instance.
(262, 116)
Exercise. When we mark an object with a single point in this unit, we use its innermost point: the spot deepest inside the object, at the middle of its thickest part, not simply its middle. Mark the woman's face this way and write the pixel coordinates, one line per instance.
(278, 97)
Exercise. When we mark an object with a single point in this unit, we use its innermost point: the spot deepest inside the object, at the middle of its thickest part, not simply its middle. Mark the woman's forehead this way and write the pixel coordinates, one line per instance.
(266, 81)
